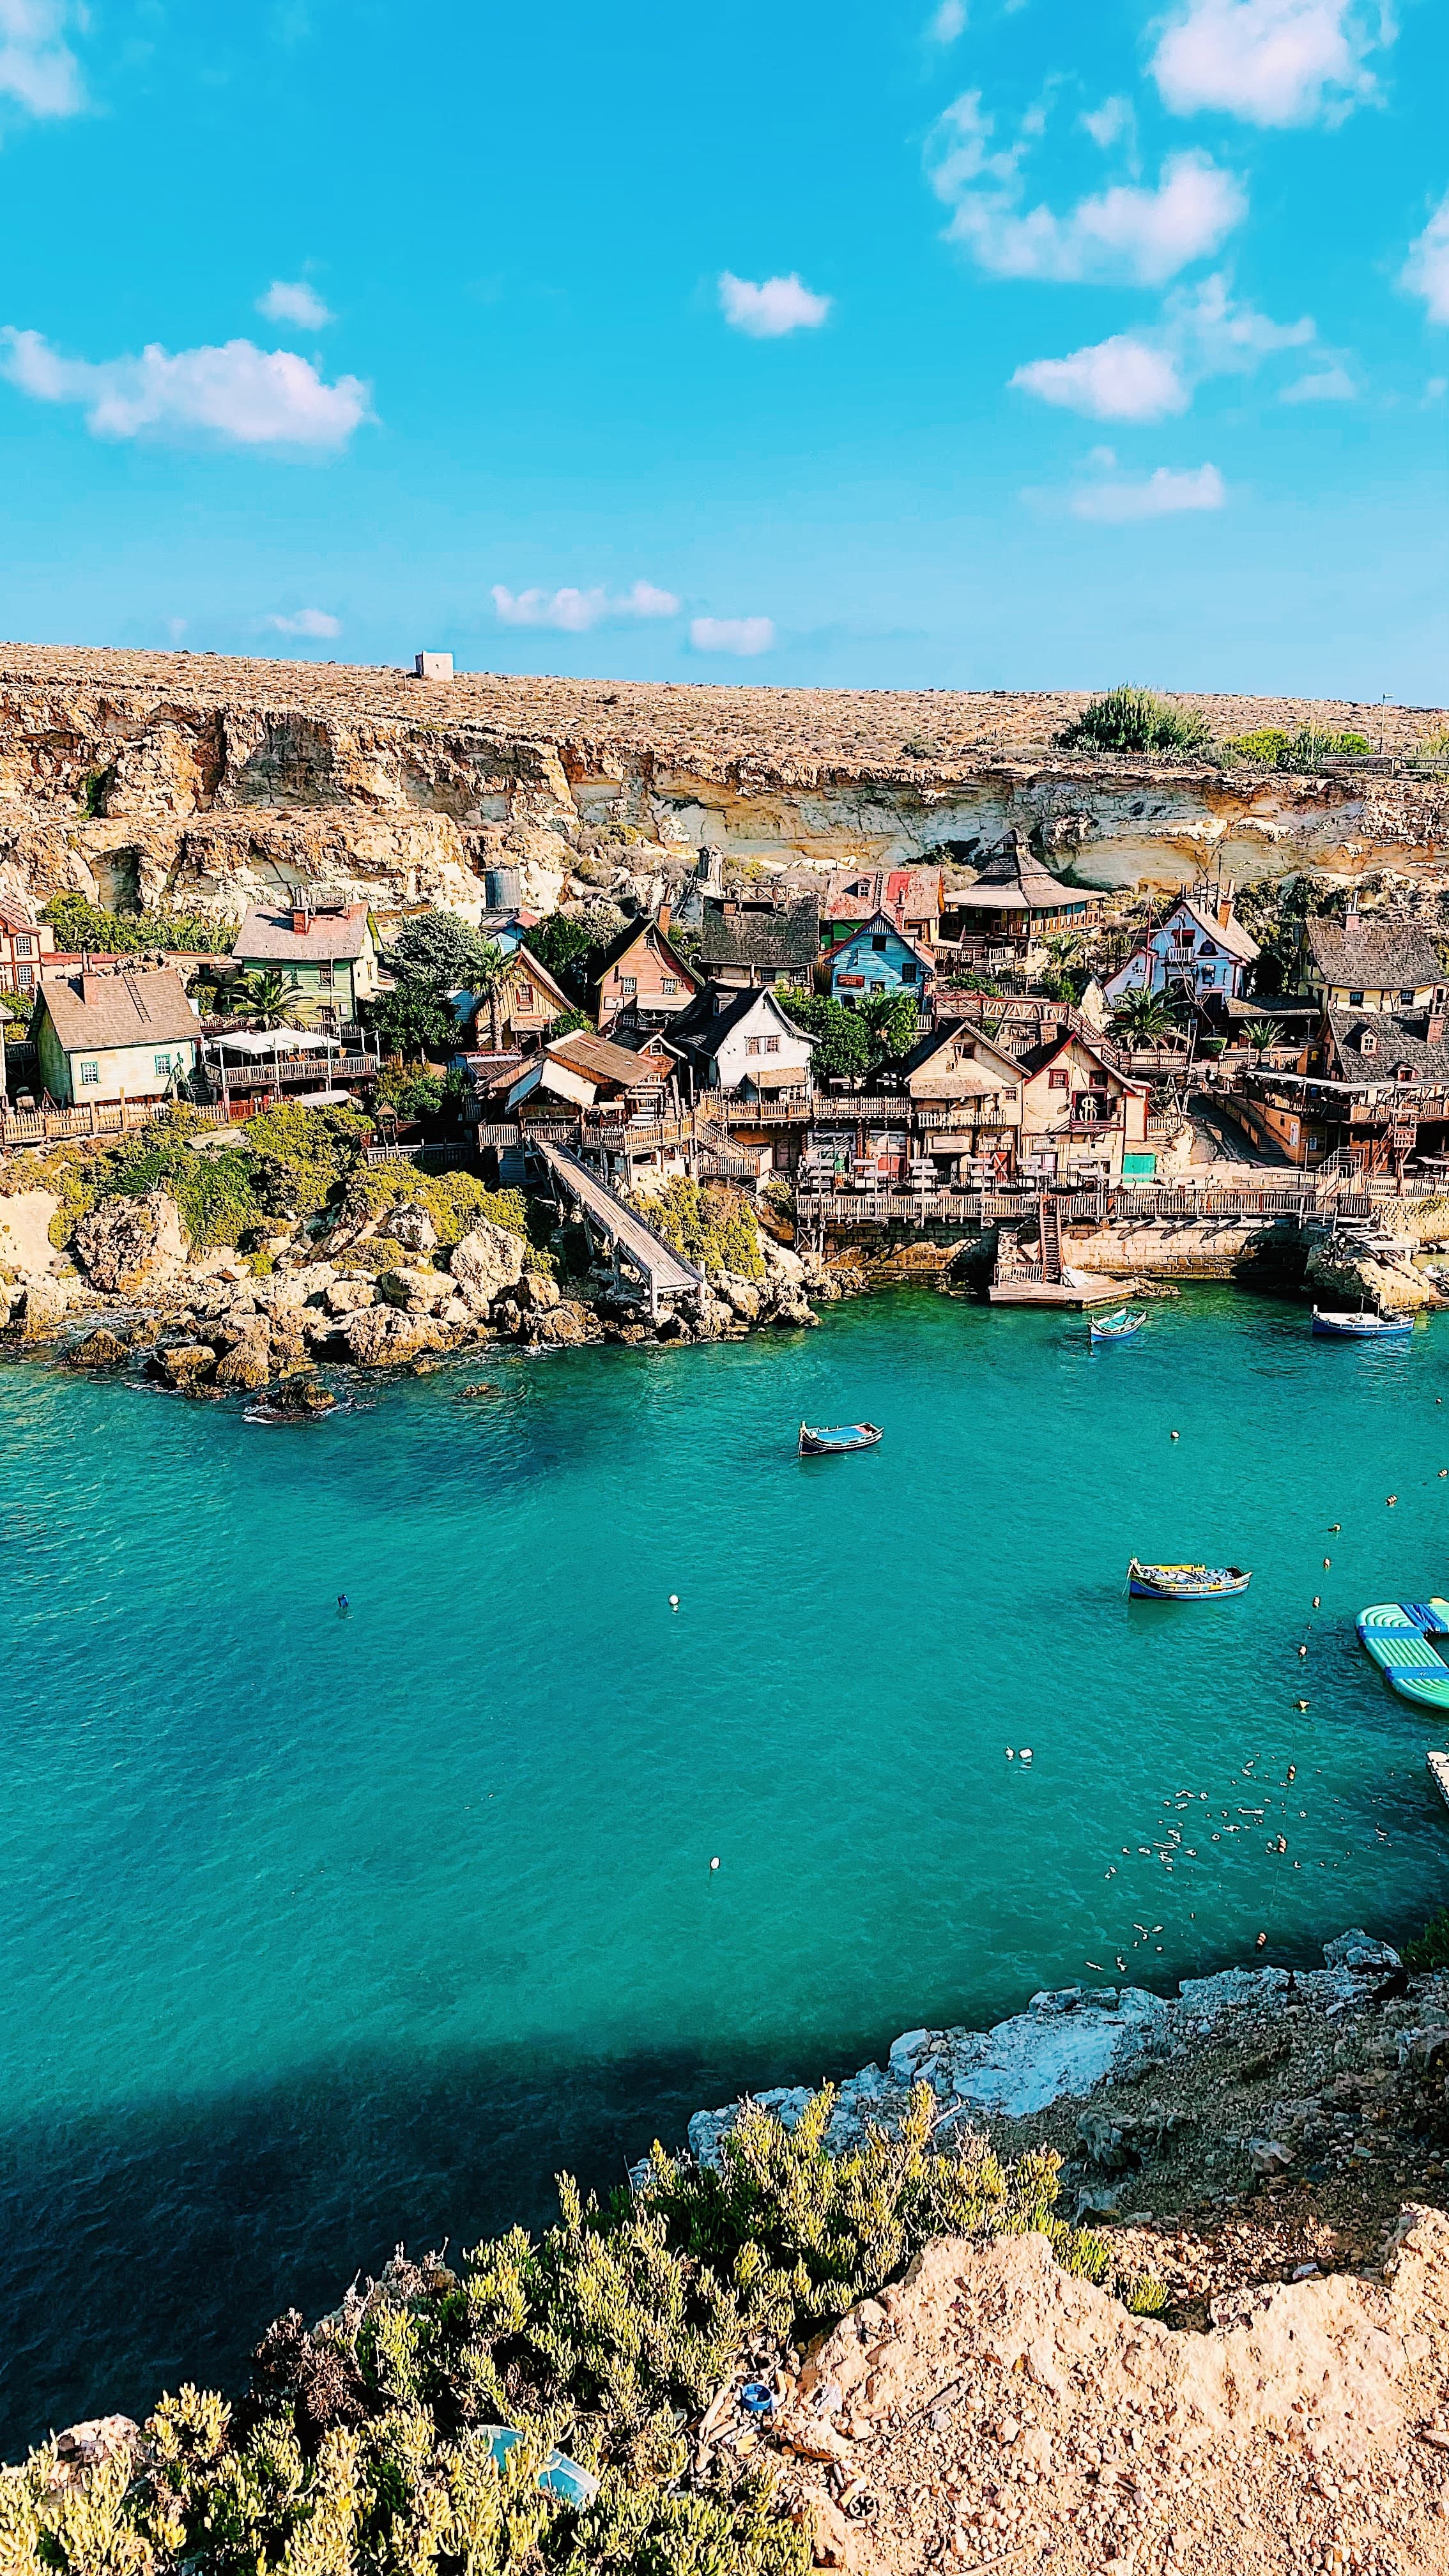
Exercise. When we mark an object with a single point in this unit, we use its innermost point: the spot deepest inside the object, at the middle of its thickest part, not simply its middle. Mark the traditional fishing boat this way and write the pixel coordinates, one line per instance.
(834, 1441)
(1359, 1328)
(1185, 1582)
(1119, 1327)
(1409, 1641)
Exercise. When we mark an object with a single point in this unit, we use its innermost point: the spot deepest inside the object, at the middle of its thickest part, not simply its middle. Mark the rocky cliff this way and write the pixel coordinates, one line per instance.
(195, 782)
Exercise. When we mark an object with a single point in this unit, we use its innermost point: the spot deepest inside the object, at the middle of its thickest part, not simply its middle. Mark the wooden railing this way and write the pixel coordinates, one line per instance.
(98, 1118)
(266, 1071)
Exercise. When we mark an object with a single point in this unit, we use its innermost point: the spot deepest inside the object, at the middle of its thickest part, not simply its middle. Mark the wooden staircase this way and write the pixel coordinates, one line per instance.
(1051, 1240)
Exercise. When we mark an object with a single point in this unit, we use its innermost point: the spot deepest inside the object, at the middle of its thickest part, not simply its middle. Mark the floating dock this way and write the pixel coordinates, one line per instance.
(1087, 1289)
(1437, 1766)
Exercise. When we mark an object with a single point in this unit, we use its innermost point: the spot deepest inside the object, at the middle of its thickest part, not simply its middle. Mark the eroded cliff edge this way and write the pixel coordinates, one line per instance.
(197, 783)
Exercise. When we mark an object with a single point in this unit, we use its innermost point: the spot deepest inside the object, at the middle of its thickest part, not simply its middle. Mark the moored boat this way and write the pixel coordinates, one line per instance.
(1409, 1641)
(1119, 1327)
(1185, 1582)
(836, 1439)
(1332, 1327)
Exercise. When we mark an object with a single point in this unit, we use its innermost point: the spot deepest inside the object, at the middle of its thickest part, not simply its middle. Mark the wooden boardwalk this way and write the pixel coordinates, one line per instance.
(665, 1273)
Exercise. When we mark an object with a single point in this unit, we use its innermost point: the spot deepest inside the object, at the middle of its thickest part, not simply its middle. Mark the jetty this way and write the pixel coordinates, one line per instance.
(629, 1240)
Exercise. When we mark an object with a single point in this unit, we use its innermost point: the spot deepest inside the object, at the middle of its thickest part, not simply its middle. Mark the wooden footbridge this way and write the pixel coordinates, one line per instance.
(627, 1237)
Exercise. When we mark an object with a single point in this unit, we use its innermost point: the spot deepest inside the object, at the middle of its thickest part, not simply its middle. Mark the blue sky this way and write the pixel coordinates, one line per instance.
(989, 343)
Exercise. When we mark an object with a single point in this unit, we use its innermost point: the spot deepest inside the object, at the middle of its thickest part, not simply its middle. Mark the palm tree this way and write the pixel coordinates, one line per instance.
(1143, 1017)
(264, 998)
(1262, 1033)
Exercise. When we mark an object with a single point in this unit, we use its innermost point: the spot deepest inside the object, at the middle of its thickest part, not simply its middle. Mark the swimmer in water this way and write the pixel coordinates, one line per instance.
(343, 1605)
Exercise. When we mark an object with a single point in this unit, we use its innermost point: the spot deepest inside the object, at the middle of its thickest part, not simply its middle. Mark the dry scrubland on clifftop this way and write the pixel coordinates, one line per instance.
(199, 782)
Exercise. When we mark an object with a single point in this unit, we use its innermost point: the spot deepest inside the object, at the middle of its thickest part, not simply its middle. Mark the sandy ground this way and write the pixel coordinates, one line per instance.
(25, 1231)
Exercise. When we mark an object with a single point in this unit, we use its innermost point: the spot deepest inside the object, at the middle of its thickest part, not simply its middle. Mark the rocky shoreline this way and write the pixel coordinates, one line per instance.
(383, 1294)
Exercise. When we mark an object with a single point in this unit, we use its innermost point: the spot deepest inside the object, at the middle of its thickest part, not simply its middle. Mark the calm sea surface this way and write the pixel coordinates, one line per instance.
(319, 1933)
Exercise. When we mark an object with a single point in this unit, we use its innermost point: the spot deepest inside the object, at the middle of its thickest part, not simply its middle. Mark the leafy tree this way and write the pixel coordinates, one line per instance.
(571, 944)
(566, 1023)
(1128, 720)
(79, 924)
(891, 1021)
(1143, 1017)
(1306, 748)
(842, 1049)
(445, 952)
(413, 1020)
(1263, 1033)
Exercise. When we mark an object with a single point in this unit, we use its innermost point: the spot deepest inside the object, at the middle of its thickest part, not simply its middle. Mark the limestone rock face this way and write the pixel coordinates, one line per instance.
(131, 1243)
(384, 1337)
(349, 1296)
(566, 1325)
(535, 1294)
(488, 1261)
(47, 1303)
(187, 1366)
(246, 1367)
(1348, 1278)
(412, 1227)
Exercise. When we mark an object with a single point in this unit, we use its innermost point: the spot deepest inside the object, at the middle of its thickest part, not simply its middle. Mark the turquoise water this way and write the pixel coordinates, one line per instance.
(319, 1932)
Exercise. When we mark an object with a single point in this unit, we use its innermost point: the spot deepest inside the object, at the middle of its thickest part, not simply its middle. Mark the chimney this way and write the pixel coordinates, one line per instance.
(1435, 1030)
(301, 918)
(91, 984)
(1225, 907)
(666, 915)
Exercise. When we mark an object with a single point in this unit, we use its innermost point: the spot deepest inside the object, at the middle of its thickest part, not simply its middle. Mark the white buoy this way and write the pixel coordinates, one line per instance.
(1010, 1754)
(714, 1864)
(1026, 1753)
(674, 1601)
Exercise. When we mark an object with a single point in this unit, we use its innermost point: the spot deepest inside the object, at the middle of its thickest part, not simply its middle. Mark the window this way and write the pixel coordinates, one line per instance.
(1403, 1073)
(908, 973)
(752, 1046)
(24, 978)
(1355, 1001)
(24, 947)
(878, 943)
(1405, 999)
(326, 974)
(1057, 1078)
(669, 984)
(628, 983)
(89, 1070)
(162, 1063)
(772, 1046)
(1368, 1044)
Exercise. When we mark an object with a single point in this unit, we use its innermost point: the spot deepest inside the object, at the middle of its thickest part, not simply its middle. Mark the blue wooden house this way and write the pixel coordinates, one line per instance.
(879, 957)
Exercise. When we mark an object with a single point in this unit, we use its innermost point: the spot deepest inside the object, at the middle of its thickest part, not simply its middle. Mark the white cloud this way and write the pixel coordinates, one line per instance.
(1328, 384)
(1436, 388)
(767, 312)
(299, 303)
(1119, 379)
(948, 23)
(1426, 270)
(1151, 496)
(1152, 374)
(1271, 62)
(573, 612)
(307, 621)
(741, 635)
(1108, 123)
(238, 395)
(37, 68)
(1140, 235)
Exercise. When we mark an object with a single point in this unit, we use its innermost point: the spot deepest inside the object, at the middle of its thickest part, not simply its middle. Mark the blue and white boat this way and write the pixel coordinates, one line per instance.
(1360, 1328)
(1119, 1327)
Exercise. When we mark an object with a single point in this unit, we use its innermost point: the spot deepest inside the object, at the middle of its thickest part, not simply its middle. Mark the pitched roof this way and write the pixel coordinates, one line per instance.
(953, 1033)
(1036, 1059)
(523, 961)
(1228, 934)
(1014, 880)
(787, 938)
(629, 938)
(703, 1027)
(267, 934)
(852, 894)
(122, 1010)
(1395, 1042)
(1376, 955)
(599, 1060)
(881, 921)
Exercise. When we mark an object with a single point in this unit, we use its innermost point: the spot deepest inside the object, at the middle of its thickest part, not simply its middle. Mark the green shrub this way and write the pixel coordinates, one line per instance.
(709, 1223)
(79, 924)
(1429, 1949)
(1129, 720)
(455, 1201)
(360, 2448)
(1146, 2296)
(1307, 748)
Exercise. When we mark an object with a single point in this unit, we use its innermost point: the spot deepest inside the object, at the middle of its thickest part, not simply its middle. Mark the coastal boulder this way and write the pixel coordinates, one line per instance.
(412, 1227)
(349, 1296)
(186, 1367)
(567, 1324)
(385, 1337)
(246, 1367)
(536, 1293)
(129, 1243)
(47, 1302)
(488, 1261)
(101, 1349)
(415, 1292)
(1362, 1953)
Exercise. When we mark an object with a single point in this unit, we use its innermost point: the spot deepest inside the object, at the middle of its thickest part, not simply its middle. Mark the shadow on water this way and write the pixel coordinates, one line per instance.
(173, 2237)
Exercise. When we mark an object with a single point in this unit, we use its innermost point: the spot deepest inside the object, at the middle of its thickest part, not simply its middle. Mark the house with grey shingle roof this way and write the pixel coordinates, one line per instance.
(743, 944)
(327, 958)
(1371, 962)
(114, 1035)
